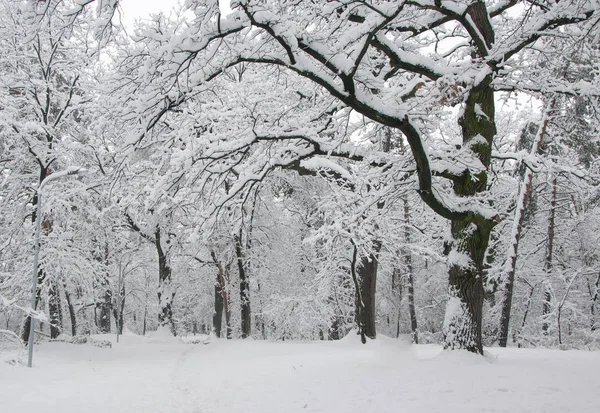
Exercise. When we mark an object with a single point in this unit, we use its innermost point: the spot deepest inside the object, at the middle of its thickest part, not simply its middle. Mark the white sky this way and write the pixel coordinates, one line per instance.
(133, 9)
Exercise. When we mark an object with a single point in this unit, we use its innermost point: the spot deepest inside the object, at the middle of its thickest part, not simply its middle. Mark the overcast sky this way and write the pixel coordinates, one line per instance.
(133, 9)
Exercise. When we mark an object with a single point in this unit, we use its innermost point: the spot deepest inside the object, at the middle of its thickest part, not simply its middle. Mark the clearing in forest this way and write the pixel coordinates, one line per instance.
(165, 375)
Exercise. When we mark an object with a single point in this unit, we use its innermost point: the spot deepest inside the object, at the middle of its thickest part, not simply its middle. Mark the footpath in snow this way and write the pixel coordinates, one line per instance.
(168, 376)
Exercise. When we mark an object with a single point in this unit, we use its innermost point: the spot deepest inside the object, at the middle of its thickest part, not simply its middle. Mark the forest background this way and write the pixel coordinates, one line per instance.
(294, 170)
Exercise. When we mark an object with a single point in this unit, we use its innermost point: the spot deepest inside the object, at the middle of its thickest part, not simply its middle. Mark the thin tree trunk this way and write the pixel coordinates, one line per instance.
(72, 312)
(526, 312)
(409, 268)
(517, 226)
(594, 299)
(218, 312)
(244, 288)
(227, 302)
(260, 320)
(547, 303)
(397, 297)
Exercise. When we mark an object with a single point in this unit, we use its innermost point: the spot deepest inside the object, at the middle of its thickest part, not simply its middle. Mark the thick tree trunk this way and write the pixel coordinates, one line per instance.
(470, 236)
(334, 330)
(221, 298)
(55, 310)
(165, 291)
(511, 261)
(462, 324)
(103, 310)
(244, 289)
(367, 273)
(118, 310)
(365, 278)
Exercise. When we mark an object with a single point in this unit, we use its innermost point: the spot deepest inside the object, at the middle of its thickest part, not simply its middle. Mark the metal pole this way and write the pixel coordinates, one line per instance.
(36, 253)
(119, 316)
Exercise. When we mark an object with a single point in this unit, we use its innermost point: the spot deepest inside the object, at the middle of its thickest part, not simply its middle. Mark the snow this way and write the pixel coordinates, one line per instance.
(325, 164)
(460, 259)
(385, 375)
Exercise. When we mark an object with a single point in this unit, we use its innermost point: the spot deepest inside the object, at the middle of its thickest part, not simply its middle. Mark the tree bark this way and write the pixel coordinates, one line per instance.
(593, 300)
(218, 313)
(259, 318)
(547, 302)
(165, 292)
(365, 278)
(470, 235)
(72, 312)
(222, 300)
(119, 309)
(55, 310)
(409, 269)
(367, 273)
(397, 294)
(103, 310)
(244, 288)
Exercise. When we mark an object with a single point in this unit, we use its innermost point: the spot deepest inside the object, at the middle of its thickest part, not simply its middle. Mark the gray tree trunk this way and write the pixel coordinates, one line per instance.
(165, 292)
(55, 310)
(72, 312)
(244, 289)
(547, 300)
(410, 277)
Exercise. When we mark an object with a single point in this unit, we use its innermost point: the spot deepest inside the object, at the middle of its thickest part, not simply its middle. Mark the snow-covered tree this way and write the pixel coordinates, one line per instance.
(382, 63)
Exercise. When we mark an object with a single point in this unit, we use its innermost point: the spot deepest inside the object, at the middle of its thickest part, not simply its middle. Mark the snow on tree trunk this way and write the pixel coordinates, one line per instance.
(547, 301)
(409, 269)
(513, 248)
(244, 289)
(218, 311)
(27, 323)
(71, 309)
(55, 310)
(103, 309)
(165, 291)
(462, 322)
(470, 236)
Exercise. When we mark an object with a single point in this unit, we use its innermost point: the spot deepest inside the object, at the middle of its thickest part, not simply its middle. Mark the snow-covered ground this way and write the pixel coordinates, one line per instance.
(168, 376)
